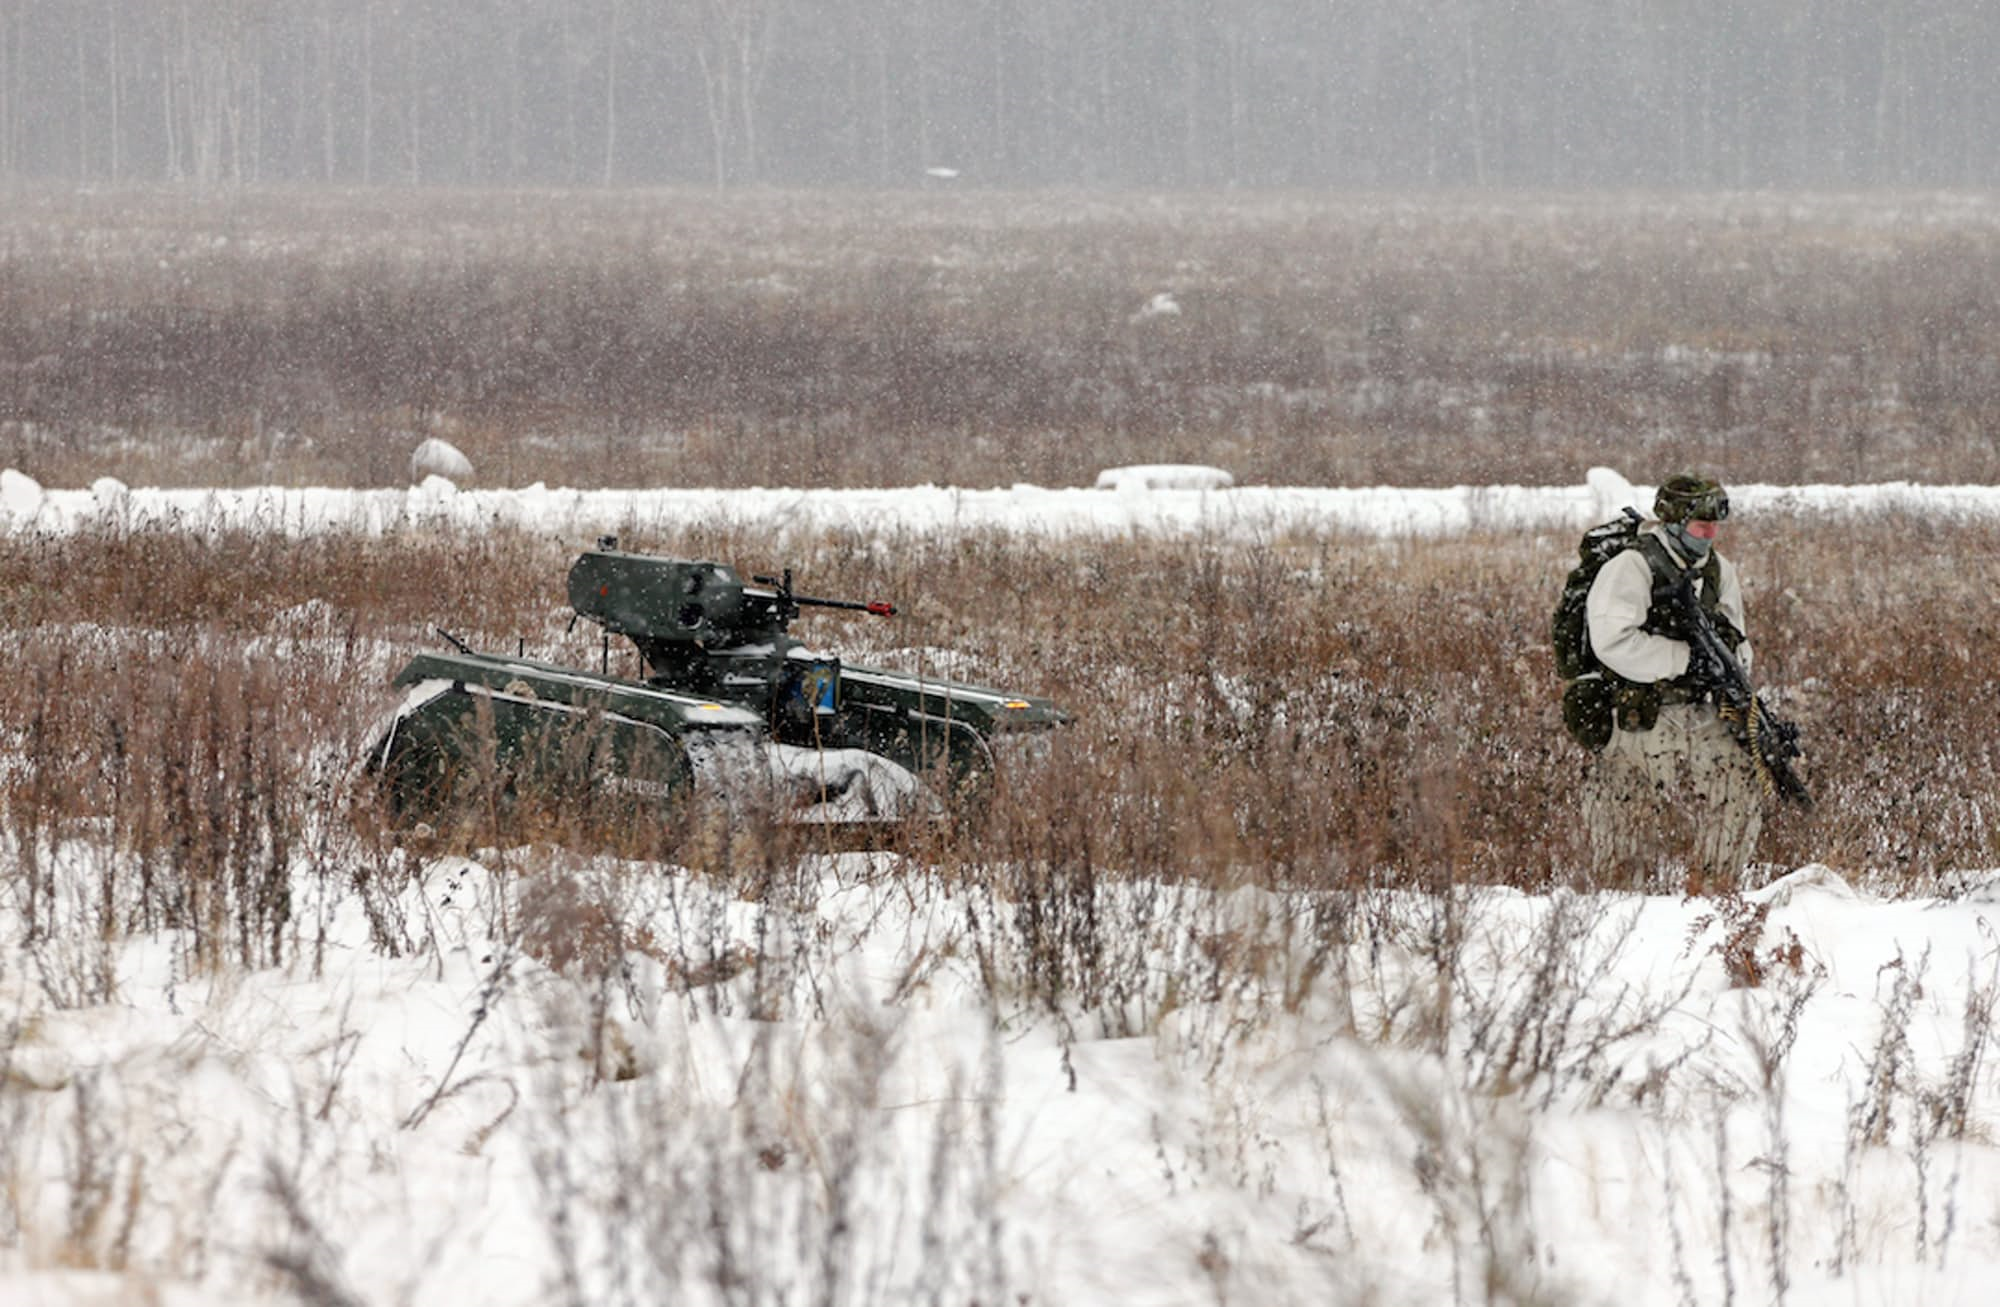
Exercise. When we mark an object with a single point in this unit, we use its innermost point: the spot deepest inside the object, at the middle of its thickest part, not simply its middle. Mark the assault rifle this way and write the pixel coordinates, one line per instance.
(1770, 741)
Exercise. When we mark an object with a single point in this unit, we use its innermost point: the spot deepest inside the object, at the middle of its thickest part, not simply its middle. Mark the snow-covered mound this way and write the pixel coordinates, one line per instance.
(1611, 494)
(439, 458)
(1164, 476)
(20, 495)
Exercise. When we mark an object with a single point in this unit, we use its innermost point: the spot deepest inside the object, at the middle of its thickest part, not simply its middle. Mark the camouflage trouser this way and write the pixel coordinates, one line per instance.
(1684, 791)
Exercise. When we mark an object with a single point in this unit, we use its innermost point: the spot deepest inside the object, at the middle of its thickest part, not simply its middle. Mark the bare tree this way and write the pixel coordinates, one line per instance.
(731, 41)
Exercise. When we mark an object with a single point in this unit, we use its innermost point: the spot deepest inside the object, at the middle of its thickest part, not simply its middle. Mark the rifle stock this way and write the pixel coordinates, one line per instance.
(1770, 741)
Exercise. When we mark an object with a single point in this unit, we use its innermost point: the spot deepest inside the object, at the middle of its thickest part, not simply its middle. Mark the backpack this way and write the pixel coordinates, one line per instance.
(1569, 628)
(1589, 702)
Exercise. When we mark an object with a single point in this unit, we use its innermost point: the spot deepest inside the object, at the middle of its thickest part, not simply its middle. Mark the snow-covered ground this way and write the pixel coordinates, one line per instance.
(588, 1082)
(1389, 1098)
(1151, 499)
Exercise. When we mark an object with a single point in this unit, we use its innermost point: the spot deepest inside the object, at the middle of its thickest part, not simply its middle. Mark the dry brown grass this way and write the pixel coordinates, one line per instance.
(776, 338)
(1332, 712)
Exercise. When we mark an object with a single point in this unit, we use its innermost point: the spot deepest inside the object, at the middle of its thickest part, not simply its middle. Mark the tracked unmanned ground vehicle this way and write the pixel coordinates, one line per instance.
(727, 702)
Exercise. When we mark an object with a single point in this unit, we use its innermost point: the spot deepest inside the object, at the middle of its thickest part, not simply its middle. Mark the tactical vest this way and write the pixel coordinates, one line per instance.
(1661, 619)
(1601, 700)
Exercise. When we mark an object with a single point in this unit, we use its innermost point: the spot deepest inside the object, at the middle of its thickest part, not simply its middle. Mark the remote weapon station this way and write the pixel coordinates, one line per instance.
(726, 701)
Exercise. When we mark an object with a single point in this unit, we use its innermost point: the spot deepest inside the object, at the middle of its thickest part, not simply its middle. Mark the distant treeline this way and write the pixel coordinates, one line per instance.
(1166, 93)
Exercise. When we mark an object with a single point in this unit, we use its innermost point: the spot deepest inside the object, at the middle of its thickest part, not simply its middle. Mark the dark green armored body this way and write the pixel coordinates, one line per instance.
(727, 698)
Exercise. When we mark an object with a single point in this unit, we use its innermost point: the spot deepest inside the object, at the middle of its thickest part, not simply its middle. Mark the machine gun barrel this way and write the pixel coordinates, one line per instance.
(878, 607)
(875, 607)
(1771, 742)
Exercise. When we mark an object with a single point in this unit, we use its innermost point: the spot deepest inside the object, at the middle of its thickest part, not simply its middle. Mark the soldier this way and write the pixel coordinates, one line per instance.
(1672, 779)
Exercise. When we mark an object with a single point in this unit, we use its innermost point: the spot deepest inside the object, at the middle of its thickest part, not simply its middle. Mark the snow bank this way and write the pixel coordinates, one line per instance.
(1240, 512)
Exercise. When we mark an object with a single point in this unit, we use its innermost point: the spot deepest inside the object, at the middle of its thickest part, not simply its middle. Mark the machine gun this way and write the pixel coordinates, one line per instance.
(1770, 741)
(873, 607)
(702, 629)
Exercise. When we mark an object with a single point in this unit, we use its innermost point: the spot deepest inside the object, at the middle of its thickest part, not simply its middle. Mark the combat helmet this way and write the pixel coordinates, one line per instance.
(1691, 498)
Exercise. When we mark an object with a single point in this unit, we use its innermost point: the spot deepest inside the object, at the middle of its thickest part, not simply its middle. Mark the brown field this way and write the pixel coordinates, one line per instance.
(1330, 713)
(689, 338)
(1311, 712)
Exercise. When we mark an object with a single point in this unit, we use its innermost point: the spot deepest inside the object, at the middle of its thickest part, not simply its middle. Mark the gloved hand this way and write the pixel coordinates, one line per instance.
(1704, 670)
(1668, 623)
